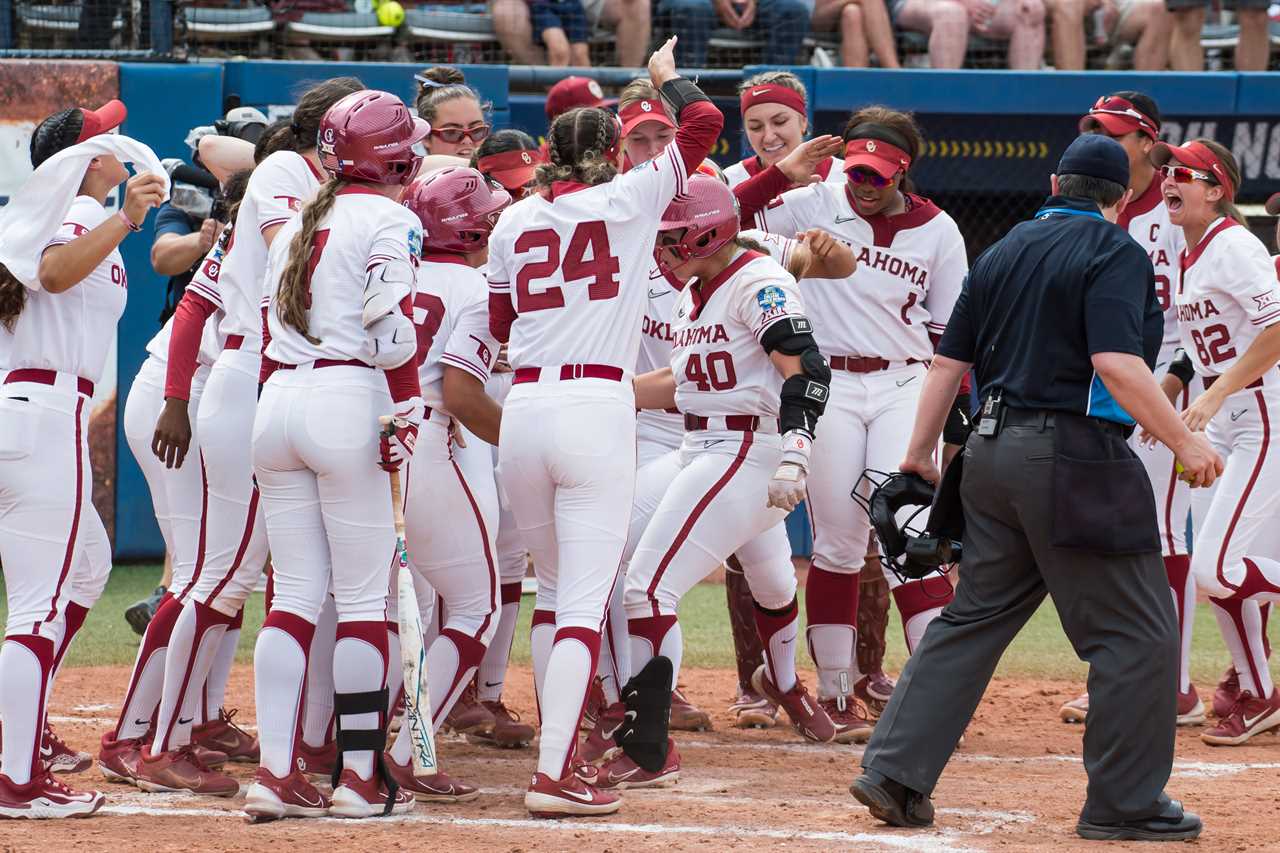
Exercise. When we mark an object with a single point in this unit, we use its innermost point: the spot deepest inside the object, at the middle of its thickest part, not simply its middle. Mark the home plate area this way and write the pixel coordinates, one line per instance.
(1016, 784)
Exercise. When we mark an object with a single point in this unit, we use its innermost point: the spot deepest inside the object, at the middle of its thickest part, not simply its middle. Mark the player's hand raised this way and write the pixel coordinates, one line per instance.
(662, 65)
(801, 165)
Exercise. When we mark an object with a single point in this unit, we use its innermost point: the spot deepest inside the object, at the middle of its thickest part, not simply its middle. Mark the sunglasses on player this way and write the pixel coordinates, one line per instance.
(1186, 174)
(454, 135)
(858, 177)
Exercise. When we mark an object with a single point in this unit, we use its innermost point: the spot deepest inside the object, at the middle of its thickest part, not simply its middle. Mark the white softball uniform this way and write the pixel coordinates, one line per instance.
(1147, 220)
(657, 433)
(729, 390)
(1227, 295)
(315, 437)
(831, 171)
(56, 352)
(874, 328)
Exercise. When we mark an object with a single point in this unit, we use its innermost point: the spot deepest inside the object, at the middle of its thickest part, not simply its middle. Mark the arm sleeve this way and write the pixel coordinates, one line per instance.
(471, 346)
(946, 278)
(1119, 288)
(184, 343)
(764, 301)
(650, 186)
(959, 341)
(757, 191)
(170, 220)
(402, 381)
(780, 216)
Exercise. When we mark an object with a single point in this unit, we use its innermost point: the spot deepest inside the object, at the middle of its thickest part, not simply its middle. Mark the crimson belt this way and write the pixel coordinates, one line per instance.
(46, 377)
(737, 423)
(571, 371)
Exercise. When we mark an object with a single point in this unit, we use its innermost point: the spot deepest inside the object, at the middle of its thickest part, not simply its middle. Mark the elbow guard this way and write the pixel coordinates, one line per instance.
(1181, 367)
(791, 336)
(679, 93)
(804, 396)
(394, 340)
(384, 287)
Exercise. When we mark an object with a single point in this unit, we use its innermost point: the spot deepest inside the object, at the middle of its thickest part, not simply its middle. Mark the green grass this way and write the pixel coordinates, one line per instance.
(1040, 651)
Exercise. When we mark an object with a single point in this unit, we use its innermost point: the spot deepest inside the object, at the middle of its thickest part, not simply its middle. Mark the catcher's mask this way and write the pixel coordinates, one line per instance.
(909, 551)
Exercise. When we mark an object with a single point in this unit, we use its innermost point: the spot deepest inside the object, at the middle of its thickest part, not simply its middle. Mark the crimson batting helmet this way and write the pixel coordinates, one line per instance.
(457, 206)
(708, 214)
(370, 136)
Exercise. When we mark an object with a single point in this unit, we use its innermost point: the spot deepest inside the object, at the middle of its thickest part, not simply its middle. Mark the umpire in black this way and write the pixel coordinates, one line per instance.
(1060, 322)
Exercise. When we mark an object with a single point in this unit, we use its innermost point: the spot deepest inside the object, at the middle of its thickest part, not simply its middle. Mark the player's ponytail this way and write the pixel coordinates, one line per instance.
(291, 298)
(299, 132)
(13, 298)
(578, 143)
(1226, 205)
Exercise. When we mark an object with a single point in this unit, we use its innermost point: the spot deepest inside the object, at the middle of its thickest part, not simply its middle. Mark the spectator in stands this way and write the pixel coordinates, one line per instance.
(1066, 30)
(949, 22)
(1252, 51)
(510, 158)
(629, 19)
(561, 28)
(783, 24)
(1145, 24)
(575, 92)
(455, 111)
(864, 29)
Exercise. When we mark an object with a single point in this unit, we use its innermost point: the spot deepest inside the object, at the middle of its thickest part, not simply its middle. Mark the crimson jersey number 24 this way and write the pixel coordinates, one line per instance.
(602, 268)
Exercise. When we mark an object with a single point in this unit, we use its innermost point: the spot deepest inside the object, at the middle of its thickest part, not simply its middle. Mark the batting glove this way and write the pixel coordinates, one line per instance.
(787, 488)
(397, 439)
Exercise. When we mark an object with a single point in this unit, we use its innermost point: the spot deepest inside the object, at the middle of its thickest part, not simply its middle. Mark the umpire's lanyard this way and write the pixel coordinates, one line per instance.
(1046, 212)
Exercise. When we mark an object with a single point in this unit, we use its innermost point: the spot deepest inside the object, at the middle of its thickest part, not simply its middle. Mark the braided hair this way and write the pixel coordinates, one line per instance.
(292, 299)
(578, 144)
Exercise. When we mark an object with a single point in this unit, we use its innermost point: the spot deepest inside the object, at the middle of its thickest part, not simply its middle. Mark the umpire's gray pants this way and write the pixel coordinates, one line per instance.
(1116, 610)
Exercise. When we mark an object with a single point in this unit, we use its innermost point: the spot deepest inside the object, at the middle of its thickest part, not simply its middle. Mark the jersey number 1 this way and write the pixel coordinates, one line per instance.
(602, 267)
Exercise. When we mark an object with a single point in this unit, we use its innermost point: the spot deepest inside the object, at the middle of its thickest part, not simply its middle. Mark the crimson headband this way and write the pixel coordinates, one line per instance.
(1119, 115)
(772, 93)
(509, 160)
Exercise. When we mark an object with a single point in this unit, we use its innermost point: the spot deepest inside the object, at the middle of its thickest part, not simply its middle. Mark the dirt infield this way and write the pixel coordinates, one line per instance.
(1016, 784)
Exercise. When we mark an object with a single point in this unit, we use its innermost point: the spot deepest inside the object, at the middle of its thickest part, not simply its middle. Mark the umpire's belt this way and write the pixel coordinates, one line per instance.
(1045, 419)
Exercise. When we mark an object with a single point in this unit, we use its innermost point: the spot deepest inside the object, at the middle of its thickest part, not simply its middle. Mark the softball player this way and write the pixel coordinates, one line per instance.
(315, 445)
(62, 288)
(775, 115)
(449, 518)
(1133, 120)
(741, 343)
(235, 544)
(1228, 303)
(878, 334)
(565, 273)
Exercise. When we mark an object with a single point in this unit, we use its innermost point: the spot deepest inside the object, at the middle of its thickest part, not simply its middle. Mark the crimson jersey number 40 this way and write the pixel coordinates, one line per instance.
(715, 373)
(587, 257)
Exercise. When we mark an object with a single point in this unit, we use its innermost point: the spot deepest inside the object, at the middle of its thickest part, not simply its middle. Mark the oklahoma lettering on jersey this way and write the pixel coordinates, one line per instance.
(910, 271)
(718, 363)
(576, 263)
(451, 313)
(831, 171)
(1228, 293)
(71, 332)
(1147, 220)
(362, 230)
(278, 188)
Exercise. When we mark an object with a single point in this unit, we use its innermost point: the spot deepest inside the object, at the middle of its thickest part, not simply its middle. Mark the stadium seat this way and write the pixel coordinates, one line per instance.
(470, 24)
(50, 19)
(224, 25)
(340, 27)
(1219, 36)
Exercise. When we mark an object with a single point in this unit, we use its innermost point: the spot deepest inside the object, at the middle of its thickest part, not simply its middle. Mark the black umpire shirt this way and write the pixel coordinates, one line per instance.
(1040, 302)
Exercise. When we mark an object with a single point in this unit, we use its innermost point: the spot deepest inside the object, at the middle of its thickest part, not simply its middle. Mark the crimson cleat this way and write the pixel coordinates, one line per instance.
(118, 759)
(568, 797)
(468, 716)
(436, 788)
(45, 797)
(599, 743)
(594, 705)
(1250, 716)
(223, 735)
(874, 692)
(750, 710)
(272, 798)
(60, 758)
(182, 770)
(1076, 710)
(849, 717)
(620, 772)
(806, 715)
(508, 731)
(1190, 708)
(687, 717)
(317, 760)
(357, 798)
(1226, 693)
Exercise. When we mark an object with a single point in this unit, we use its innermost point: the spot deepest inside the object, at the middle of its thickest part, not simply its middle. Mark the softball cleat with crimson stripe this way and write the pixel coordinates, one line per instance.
(621, 773)
(272, 798)
(806, 714)
(568, 797)
(44, 798)
(435, 788)
(1249, 717)
(357, 798)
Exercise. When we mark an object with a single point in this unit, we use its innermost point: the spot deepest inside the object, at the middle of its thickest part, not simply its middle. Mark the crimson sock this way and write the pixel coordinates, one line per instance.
(831, 610)
(147, 679)
(778, 629)
(919, 602)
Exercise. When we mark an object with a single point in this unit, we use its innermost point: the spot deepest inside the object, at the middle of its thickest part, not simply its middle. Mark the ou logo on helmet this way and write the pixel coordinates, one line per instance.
(328, 135)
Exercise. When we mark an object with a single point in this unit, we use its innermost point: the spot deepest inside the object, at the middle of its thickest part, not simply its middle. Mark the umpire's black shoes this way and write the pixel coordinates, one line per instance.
(1172, 824)
(892, 802)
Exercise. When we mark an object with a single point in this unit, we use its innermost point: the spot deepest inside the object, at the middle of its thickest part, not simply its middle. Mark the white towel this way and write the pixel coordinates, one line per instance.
(36, 212)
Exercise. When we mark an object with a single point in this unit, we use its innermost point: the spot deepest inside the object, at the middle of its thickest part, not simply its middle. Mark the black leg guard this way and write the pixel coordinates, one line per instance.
(356, 740)
(643, 735)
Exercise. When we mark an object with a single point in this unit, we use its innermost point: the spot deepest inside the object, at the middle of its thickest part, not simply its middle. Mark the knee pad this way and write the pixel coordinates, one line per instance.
(643, 736)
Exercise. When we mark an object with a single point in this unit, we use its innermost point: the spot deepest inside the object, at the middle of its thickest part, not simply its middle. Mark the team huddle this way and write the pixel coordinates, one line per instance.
(608, 359)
